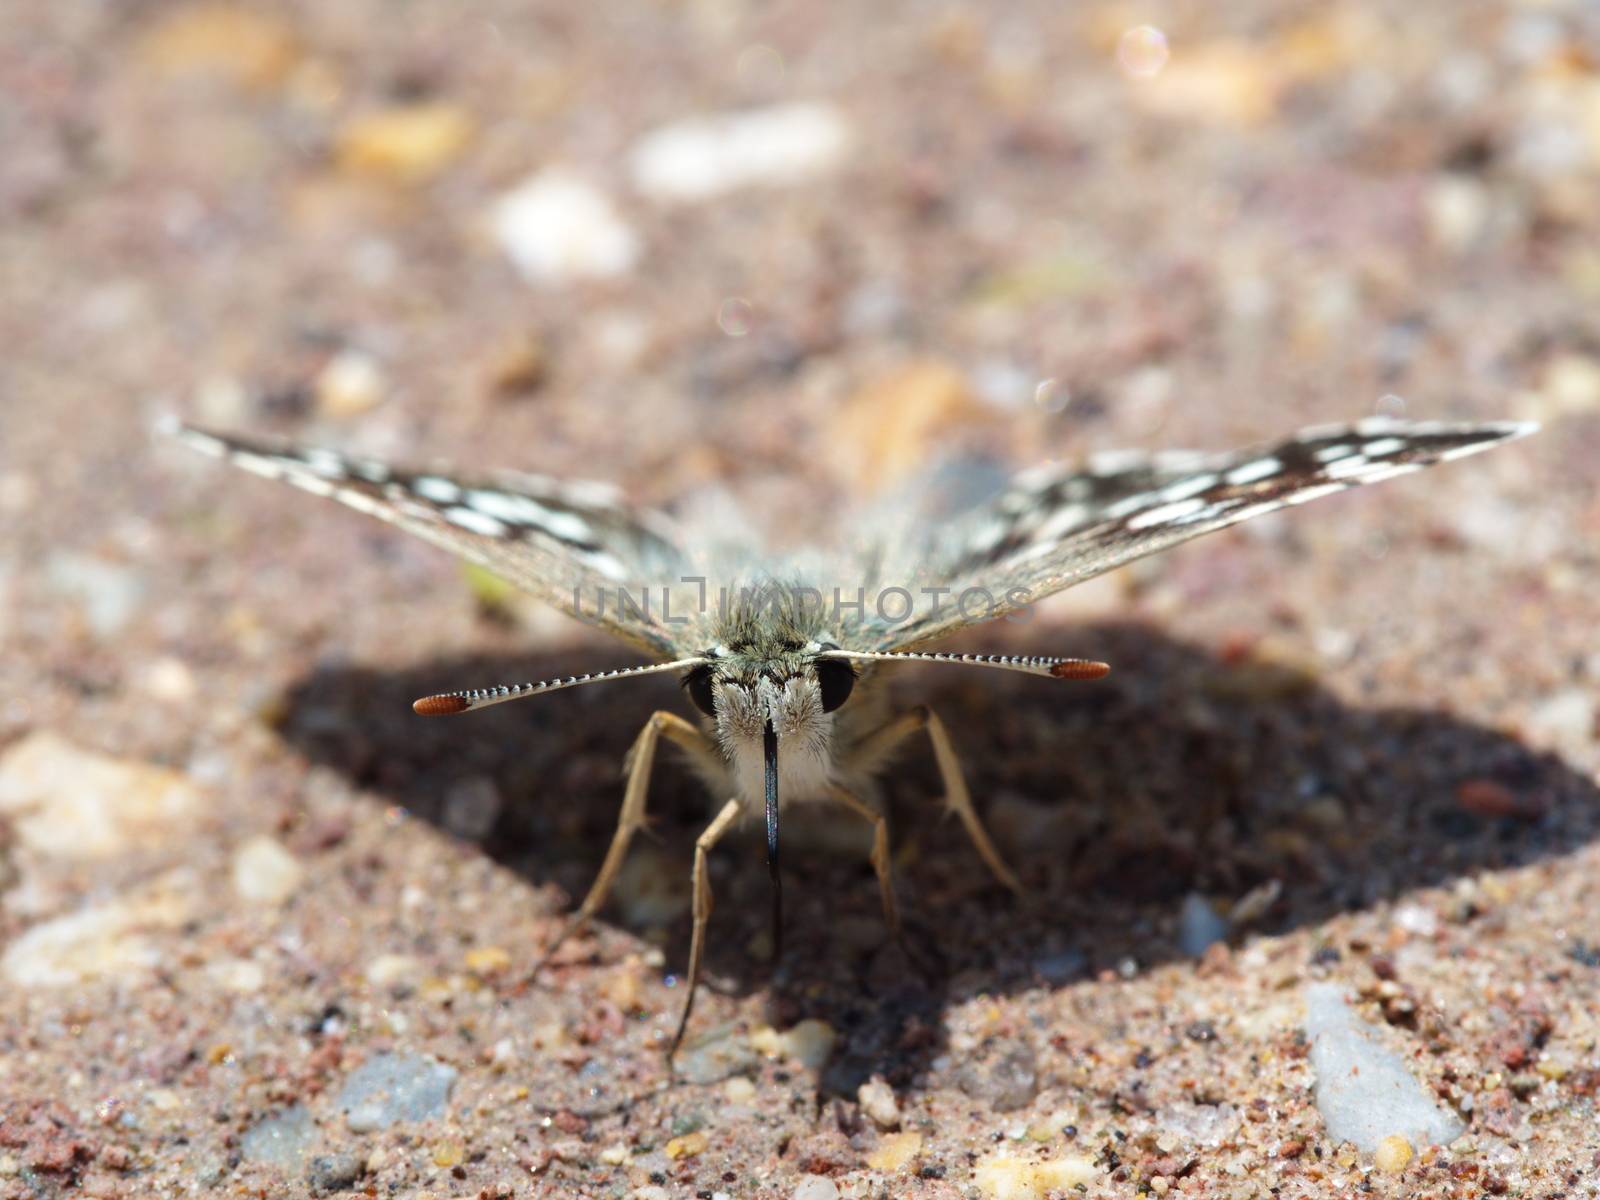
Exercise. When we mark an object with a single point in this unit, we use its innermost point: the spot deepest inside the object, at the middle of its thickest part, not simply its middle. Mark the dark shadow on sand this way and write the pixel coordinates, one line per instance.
(1113, 800)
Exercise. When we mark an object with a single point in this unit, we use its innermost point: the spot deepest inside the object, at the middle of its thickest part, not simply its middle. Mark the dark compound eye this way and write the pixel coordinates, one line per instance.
(698, 684)
(835, 679)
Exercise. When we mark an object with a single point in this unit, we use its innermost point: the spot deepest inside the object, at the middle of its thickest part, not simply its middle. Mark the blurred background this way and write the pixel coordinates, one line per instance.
(794, 250)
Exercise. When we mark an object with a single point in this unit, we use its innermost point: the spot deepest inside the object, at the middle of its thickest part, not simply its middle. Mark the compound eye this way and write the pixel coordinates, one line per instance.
(835, 679)
(698, 684)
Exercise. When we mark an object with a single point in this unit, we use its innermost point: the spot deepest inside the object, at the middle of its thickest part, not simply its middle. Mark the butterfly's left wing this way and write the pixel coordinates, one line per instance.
(1056, 526)
(569, 544)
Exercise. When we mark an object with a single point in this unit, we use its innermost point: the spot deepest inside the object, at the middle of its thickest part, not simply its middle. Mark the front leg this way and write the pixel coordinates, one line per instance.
(702, 910)
(638, 763)
(879, 744)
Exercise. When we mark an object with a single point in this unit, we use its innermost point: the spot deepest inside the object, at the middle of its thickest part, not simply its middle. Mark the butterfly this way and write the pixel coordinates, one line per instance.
(781, 656)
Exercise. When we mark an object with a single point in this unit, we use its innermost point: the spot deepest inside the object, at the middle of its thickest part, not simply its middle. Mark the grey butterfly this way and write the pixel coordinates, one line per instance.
(781, 659)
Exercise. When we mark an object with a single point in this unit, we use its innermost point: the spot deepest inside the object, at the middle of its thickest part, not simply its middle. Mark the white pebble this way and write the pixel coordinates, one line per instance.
(110, 594)
(264, 872)
(110, 939)
(1458, 209)
(702, 157)
(1564, 720)
(556, 226)
(811, 1042)
(350, 384)
(816, 1187)
(877, 1100)
(1365, 1091)
(389, 969)
(69, 803)
(238, 975)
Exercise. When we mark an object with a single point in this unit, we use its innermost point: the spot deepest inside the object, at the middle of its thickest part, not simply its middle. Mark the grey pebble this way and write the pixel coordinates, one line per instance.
(334, 1172)
(281, 1140)
(1007, 1076)
(721, 1054)
(395, 1087)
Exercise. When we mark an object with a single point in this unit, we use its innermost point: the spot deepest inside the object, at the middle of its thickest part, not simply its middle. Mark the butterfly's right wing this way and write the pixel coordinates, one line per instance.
(1057, 526)
(575, 546)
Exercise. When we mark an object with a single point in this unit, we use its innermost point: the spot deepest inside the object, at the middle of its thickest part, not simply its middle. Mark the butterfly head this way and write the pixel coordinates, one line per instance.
(792, 688)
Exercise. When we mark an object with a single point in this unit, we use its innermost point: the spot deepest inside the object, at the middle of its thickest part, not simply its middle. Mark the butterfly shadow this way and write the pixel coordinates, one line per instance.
(1180, 777)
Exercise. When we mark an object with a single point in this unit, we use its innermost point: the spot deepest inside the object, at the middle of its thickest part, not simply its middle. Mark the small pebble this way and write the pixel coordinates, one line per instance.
(264, 872)
(447, 1153)
(877, 1100)
(687, 1146)
(488, 960)
(242, 44)
(702, 157)
(409, 143)
(1458, 209)
(238, 975)
(109, 594)
(1565, 720)
(722, 1053)
(896, 1151)
(1487, 798)
(333, 1172)
(1393, 1153)
(557, 227)
(1199, 925)
(1008, 1176)
(390, 1088)
(810, 1042)
(283, 1139)
(815, 1187)
(350, 384)
(389, 969)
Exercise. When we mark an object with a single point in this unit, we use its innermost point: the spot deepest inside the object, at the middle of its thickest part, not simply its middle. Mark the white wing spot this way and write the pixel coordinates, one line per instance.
(1463, 451)
(1383, 447)
(325, 463)
(1252, 472)
(1330, 454)
(569, 527)
(1063, 521)
(1349, 468)
(606, 565)
(1314, 493)
(1169, 513)
(1185, 488)
(1381, 473)
(476, 522)
(529, 513)
(261, 464)
(508, 507)
(436, 488)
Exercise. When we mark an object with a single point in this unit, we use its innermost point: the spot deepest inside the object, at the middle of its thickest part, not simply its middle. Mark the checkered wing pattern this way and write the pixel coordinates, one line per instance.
(565, 543)
(1056, 526)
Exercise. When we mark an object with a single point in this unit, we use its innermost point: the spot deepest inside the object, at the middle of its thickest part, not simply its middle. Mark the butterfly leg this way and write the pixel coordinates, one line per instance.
(880, 852)
(702, 910)
(879, 744)
(639, 761)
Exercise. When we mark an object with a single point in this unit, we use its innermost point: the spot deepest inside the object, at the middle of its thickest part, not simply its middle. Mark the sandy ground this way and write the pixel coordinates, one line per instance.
(265, 933)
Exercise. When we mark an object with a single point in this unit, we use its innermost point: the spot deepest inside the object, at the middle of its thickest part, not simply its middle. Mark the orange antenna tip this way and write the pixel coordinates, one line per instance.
(440, 706)
(1080, 668)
